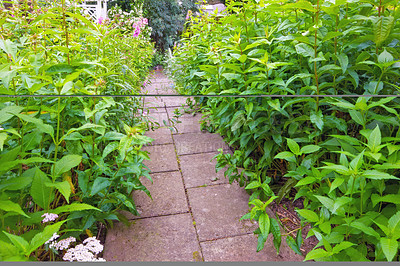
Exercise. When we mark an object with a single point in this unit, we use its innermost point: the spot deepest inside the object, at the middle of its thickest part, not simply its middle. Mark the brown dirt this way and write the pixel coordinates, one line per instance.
(286, 213)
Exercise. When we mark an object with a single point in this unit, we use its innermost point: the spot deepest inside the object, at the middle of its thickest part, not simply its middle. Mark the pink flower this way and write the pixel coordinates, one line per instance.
(137, 31)
(100, 20)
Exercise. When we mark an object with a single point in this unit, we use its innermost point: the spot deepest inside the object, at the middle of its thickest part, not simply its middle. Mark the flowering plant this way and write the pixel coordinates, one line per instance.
(131, 22)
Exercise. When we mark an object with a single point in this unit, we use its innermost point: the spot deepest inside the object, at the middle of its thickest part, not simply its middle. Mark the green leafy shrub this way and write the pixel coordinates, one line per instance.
(73, 158)
(303, 144)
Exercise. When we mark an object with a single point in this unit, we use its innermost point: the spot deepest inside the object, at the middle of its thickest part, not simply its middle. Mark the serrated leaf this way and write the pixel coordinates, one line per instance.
(378, 175)
(305, 50)
(317, 119)
(254, 184)
(237, 120)
(63, 187)
(9, 206)
(343, 61)
(18, 241)
(41, 238)
(76, 206)
(276, 232)
(65, 164)
(390, 247)
(41, 194)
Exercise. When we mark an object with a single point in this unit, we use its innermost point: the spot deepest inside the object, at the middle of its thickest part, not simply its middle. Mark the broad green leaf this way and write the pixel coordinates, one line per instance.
(342, 246)
(293, 146)
(284, 155)
(18, 241)
(343, 61)
(293, 245)
(394, 223)
(9, 206)
(309, 215)
(305, 50)
(237, 120)
(357, 117)
(357, 162)
(63, 187)
(3, 137)
(365, 229)
(76, 206)
(42, 237)
(264, 224)
(99, 184)
(38, 123)
(9, 48)
(375, 139)
(385, 57)
(309, 149)
(276, 232)
(306, 180)
(390, 247)
(317, 119)
(336, 183)
(316, 254)
(41, 194)
(327, 202)
(65, 164)
(254, 184)
(382, 27)
(378, 175)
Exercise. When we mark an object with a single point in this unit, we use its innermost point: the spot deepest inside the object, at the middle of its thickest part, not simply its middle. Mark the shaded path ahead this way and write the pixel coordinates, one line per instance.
(194, 214)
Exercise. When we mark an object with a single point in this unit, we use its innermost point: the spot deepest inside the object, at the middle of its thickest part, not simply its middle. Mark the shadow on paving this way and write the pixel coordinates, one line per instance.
(195, 212)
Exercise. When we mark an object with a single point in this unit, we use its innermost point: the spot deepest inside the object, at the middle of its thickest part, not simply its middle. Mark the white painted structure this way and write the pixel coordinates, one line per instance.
(96, 9)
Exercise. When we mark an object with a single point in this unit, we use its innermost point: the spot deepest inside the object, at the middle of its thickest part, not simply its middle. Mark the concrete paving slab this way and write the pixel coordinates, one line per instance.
(164, 185)
(243, 248)
(159, 118)
(199, 170)
(165, 238)
(217, 210)
(153, 102)
(188, 123)
(162, 158)
(161, 135)
(198, 143)
(175, 101)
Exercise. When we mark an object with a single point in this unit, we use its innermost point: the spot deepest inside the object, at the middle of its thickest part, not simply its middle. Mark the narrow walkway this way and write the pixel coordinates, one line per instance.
(194, 214)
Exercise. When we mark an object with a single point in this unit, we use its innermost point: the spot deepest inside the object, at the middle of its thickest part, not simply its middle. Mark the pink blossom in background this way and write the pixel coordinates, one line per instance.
(137, 31)
(100, 20)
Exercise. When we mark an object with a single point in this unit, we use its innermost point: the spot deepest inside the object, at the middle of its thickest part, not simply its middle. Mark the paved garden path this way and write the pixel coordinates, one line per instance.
(195, 212)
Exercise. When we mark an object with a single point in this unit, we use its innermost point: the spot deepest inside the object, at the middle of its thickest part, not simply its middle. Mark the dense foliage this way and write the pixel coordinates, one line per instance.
(72, 160)
(340, 155)
(167, 17)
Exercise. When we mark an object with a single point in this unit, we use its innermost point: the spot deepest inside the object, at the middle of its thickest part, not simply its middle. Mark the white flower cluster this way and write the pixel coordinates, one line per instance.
(62, 244)
(85, 252)
(82, 252)
(49, 217)
(53, 237)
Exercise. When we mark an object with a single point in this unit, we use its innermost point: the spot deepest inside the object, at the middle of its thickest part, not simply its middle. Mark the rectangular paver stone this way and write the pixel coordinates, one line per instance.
(199, 170)
(161, 135)
(217, 210)
(165, 238)
(175, 101)
(188, 123)
(162, 158)
(159, 118)
(168, 196)
(243, 248)
(198, 142)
